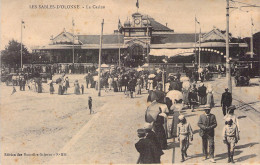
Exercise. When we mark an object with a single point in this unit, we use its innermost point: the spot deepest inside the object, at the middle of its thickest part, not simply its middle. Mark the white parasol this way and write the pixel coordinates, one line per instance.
(200, 70)
(174, 95)
(151, 76)
(95, 78)
(186, 85)
(50, 81)
(183, 79)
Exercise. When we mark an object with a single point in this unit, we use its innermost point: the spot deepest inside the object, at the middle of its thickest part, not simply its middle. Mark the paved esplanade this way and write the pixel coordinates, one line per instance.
(109, 135)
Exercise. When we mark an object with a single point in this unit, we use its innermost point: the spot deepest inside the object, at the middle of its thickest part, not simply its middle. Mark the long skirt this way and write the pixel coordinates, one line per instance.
(203, 100)
(210, 100)
(77, 90)
(60, 90)
(161, 135)
(185, 96)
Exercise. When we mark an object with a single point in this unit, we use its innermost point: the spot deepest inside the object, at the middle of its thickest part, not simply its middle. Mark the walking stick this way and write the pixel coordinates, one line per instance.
(138, 160)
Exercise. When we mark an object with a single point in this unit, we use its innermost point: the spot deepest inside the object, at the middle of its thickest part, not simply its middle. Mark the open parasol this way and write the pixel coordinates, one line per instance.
(174, 95)
(186, 85)
(152, 111)
(184, 79)
(49, 82)
(151, 76)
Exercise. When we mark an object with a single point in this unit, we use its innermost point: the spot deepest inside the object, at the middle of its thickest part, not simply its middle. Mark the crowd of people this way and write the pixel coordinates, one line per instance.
(153, 136)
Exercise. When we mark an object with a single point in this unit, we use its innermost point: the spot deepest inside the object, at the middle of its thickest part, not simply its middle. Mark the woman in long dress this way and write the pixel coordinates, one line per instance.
(160, 131)
(210, 98)
(51, 88)
(77, 88)
(60, 92)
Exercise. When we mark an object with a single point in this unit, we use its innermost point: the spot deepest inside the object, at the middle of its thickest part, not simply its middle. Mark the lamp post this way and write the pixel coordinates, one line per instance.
(22, 22)
(228, 70)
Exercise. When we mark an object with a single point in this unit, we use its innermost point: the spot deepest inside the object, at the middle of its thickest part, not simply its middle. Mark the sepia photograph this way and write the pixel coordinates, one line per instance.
(129, 82)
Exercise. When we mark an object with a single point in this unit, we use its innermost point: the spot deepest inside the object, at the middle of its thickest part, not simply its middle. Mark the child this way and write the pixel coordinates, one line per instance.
(184, 132)
(231, 115)
(230, 137)
(14, 90)
(82, 89)
(90, 105)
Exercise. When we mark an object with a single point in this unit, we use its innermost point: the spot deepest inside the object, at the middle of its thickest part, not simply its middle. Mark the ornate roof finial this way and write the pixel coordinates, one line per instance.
(64, 30)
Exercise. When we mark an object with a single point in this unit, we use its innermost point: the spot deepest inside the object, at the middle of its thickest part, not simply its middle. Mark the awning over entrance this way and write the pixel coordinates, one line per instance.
(171, 52)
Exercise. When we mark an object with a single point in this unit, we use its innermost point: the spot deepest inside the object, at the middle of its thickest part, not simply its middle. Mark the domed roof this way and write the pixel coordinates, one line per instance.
(136, 14)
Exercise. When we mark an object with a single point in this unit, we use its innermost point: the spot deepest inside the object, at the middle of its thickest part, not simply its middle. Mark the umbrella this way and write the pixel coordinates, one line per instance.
(151, 76)
(183, 79)
(50, 81)
(174, 95)
(156, 95)
(95, 78)
(139, 69)
(58, 80)
(152, 112)
(186, 85)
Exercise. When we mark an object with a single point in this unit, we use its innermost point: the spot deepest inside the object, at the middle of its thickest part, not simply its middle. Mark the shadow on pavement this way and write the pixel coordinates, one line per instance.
(190, 115)
(246, 145)
(241, 117)
(225, 155)
(243, 158)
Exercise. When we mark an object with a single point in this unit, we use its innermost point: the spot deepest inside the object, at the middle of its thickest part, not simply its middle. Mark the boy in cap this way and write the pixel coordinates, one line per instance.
(184, 132)
(232, 115)
(230, 137)
(90, 104)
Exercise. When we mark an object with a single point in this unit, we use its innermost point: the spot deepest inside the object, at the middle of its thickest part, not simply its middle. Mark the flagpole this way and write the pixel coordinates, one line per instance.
(147, 51)
(99, 56)
(21, 44)
(199, 46)
(251, 40)
(195, 42)
(73, 42)
(119, 56)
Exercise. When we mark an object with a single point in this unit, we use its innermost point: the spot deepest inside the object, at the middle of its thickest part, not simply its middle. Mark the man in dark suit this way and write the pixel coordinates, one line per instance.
(207, 123)
(226, 101)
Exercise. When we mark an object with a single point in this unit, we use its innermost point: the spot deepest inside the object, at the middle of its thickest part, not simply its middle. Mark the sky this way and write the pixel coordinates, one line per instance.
(41, 24)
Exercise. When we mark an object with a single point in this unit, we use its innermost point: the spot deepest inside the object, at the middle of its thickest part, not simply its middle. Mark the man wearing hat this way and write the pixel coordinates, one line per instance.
(147, 149)
(184, 132)
(226, 101)
(207, 123)
(230, 137)
(152, 136)
(202, 93)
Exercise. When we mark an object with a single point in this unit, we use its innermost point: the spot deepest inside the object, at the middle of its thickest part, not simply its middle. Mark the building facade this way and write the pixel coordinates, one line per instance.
(139, 40)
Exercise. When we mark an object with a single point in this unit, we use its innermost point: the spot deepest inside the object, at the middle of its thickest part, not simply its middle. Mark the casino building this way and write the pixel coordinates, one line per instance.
(139, 40)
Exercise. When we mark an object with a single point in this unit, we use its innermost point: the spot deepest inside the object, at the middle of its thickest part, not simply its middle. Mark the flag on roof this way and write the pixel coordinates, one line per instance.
(119, 24)
(196, 20)
(73, 23)
(137, 4)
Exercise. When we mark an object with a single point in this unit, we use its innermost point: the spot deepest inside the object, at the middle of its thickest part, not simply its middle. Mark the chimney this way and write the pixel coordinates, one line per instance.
(166, 24)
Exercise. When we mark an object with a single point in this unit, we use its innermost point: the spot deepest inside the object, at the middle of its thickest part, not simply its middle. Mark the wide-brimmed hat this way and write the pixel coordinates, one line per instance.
(148, 126)
(232, 107)
(141, 131)
(181, 117)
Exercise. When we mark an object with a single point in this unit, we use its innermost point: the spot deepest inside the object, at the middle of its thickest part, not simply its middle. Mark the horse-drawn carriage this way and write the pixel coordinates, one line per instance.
(242, 77)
